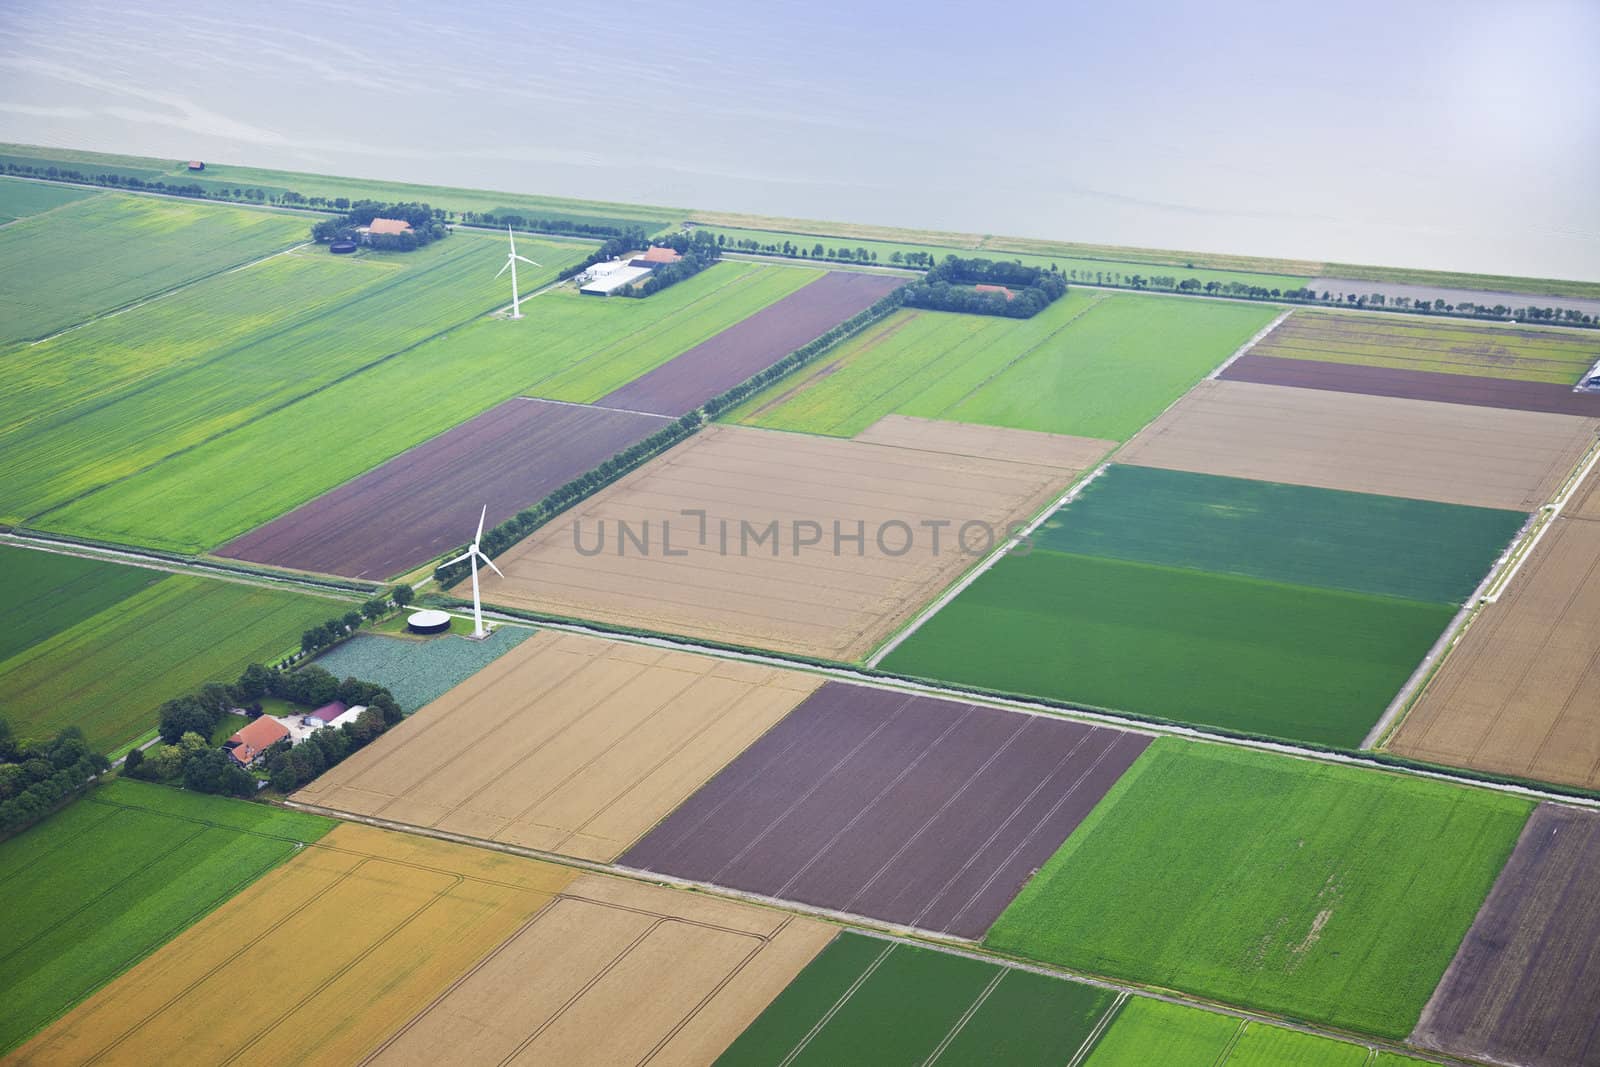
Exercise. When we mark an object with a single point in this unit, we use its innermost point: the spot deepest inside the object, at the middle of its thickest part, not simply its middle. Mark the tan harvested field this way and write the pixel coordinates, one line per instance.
(615, 972)
(753, 579)
(316, 963)
(1453, 453)
(1520, 694)
(567, 744)
(1074, 454)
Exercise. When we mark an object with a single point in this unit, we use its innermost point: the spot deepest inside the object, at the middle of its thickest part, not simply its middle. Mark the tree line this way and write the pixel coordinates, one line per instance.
(37, 776)
(339, 627)
(949, 287)
(841, 254)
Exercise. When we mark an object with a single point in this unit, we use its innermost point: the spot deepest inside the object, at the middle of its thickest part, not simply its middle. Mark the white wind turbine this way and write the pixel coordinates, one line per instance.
(511, 265)
(474, 553)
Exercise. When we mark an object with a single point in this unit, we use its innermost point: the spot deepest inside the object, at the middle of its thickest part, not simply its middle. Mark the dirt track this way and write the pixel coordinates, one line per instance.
(615, 972)
(1525, 984)
(315, 963)
(833, 599)
(1421, 449)
(1520, 694)
(565, 744)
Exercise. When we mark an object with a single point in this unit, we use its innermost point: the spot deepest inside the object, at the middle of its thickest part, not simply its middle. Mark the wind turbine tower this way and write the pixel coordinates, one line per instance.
(474, 554)
(511, 265)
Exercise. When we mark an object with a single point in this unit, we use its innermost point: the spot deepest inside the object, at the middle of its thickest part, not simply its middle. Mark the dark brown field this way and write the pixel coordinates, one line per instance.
(1525, 985)
(750, 347)
(928, 813)
(426, 501)
(1413, 384)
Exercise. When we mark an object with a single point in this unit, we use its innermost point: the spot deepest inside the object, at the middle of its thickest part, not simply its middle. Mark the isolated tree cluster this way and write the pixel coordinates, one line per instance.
(949, 287)
(36, 776)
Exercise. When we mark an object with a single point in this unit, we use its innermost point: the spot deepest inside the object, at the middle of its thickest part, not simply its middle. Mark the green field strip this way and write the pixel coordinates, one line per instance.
(1147, 1032)
(104, 252)
(1324, 538)
(1322, 892)
(19, 199)
(1273, 1046)
(109, 673)
(1029, 1019)
(207, 495)
(1243, 654)
(1091, 365)
(101, 884)
(791, 1018)
(44, 593)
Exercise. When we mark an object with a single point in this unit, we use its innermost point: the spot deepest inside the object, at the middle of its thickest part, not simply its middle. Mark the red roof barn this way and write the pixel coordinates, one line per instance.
(248, 744)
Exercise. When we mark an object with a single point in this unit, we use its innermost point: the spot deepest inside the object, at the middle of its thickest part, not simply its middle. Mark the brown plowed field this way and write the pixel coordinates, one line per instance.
(1421, 449)
(1525, 985)
(777, 594)
(615, 972)
(427, 501)
(566, 744)
(1556, 356)
(316, 963)
(747, 348)
(988, 442)
(1520, 693)
(1413, 384)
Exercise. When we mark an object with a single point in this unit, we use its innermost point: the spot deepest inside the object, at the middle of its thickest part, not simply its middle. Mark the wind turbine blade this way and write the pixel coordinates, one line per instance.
(530, 262)
(479, 535)
(512, 238)
(503, 269)
(492, 567)
(459, 559)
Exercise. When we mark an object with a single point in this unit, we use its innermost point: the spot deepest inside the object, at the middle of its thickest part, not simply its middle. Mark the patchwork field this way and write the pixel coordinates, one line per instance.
(171, 375)
(387, 921)
(804, 588)
(1261, 657)
(863, 1000)
(567, 348)
(1522, 353)
(137, 245)
(1421, 449)
(1152, 1031)
(113, 876)
(922, 812)
(614, 972)
(109, 673)
(566, 744)
(418, 671)
(987, 442)
(44, 593)
(1329, 893)
(427, 501)
(1523, 987)
(1327, 539)
(20, 198)
(750, 347)
(1520, 692)
(1091, 365)
(1414, 385)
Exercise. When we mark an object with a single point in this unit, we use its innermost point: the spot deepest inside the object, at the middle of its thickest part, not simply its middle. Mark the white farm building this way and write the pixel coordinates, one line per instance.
(603, 279)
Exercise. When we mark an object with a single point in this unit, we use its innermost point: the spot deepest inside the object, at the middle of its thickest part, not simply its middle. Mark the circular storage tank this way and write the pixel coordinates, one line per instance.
(342, 248)
(428, 622)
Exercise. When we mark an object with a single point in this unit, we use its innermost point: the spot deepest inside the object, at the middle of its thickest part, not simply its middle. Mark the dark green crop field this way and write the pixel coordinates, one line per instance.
(1327, 893)
(97, 887)
(42, 593)
(1211, 649)
(866, 1001)
(1358, 542)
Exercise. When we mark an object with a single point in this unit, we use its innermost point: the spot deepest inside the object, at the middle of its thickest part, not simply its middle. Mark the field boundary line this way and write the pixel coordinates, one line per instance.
(1247, 346)
(593, 407)
(1098, 1031)
(966, 1017)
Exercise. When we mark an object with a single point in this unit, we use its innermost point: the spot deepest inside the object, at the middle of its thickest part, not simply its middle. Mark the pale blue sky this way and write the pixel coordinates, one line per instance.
(1454, 135)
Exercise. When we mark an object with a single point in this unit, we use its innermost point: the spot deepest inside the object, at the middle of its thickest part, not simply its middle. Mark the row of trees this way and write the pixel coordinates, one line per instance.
(574, 227)
(949, 287)
(339, 627)
(524, 522)
(36, 776)
(841, 254)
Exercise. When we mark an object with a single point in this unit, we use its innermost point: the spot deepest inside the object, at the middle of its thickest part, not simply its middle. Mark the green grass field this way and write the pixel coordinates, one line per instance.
(866, 1001)
(1524, 353)
(103, 252)
(1147, 1032)
(118, 396)
(44, 593)
(1259, 657)
(19, 198)
(1324, 538)
(110, 673)
(108, 880)
(1090, 364)
(1326, 893)
(566, 348)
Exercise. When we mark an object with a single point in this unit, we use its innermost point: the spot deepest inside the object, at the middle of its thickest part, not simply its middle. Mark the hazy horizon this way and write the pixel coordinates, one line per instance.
(1443, 136)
